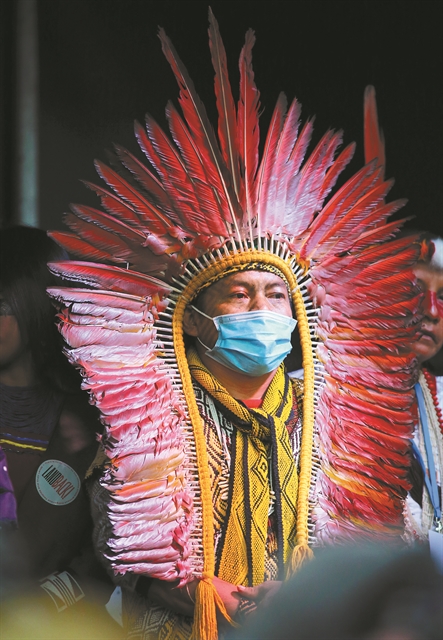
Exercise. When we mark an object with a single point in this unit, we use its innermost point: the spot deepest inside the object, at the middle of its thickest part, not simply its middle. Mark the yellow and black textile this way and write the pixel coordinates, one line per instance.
(260, 449)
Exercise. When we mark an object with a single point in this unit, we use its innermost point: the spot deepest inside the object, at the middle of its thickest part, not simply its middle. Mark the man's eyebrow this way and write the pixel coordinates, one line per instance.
(276, 285)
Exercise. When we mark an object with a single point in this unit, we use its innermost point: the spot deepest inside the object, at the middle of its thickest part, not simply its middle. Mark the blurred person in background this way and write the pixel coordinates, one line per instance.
(47, 433)
(354, 592)
(423, 505)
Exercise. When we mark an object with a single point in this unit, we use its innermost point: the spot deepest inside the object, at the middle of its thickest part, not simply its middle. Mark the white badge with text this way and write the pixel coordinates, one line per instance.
(57, 482)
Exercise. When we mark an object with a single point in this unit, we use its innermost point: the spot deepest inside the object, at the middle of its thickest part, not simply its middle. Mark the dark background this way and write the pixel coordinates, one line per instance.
(101, 66)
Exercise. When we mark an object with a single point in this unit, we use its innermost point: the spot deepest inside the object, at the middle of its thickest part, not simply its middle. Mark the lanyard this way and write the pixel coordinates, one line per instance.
(431, 478)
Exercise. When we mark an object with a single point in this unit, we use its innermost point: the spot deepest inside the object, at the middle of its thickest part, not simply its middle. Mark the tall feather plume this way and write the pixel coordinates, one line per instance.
(373, 136)
(297, 220)
(248, 127)
(197, 120)
(152, 155)
(276, 196)
(211, 219)
(178, 180)
(307, 195)
(265, 176)
(227, 119)
(200, 192)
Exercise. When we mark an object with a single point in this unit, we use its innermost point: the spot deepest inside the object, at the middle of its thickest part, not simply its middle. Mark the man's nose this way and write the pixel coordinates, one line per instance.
(260, 302)
(431, 309)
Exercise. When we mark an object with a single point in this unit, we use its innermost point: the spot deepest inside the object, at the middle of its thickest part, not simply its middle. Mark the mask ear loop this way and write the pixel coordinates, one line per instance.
(209, 318)
(201, 312)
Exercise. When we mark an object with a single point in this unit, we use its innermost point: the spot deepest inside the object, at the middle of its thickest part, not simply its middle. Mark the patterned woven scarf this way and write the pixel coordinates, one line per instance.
(261, 451)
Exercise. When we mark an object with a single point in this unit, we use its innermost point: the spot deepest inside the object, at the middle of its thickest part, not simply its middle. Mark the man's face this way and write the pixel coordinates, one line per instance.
(238, 293)
(430, 338)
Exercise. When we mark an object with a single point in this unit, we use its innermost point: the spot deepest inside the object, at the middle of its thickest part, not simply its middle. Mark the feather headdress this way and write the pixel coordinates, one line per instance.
(204, 203)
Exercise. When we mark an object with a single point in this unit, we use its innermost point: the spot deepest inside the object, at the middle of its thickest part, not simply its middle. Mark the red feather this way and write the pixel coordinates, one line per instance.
(307, 194)
(349, 194)
(152, 216)
(227, 121)
(207, 216)
(77, 247)
(247, 121)
(335, 170)
(115, 205)
(150, 152)
(297, 220)
(265, 176)
(282, 168)
(98, 237)
(348, 228)
(383, 233)
(99, 276)
(148, 180)
(202, 131)
(179, 181)
(108, 223)
(374, 139)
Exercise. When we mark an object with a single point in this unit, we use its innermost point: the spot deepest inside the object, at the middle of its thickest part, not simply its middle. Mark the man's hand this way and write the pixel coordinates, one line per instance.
(230, 596)
(181, 600)
(262, 594)
(169, 595)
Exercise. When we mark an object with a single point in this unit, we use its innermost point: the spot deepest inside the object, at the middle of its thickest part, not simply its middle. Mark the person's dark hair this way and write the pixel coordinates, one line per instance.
(24, 278)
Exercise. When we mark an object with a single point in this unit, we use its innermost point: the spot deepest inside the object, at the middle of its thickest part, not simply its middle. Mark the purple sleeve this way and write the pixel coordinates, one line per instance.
(8, 505)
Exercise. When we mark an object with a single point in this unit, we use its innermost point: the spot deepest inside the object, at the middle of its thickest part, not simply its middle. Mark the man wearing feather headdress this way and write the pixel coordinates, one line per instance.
(424, 503)
(196, 273)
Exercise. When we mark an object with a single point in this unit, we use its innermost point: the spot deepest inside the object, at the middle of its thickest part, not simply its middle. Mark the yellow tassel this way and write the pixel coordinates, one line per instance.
(300, 554)
(207, 601)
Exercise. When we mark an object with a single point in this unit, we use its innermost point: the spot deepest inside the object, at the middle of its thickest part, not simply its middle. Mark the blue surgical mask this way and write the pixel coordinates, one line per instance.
(255, 342)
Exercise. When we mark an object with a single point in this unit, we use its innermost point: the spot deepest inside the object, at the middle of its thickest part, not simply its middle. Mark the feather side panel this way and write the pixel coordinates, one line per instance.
(143, 439)
(366, 409)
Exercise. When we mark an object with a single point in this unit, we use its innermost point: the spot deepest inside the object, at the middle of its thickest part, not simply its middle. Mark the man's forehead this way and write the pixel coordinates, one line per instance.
(429, 276)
